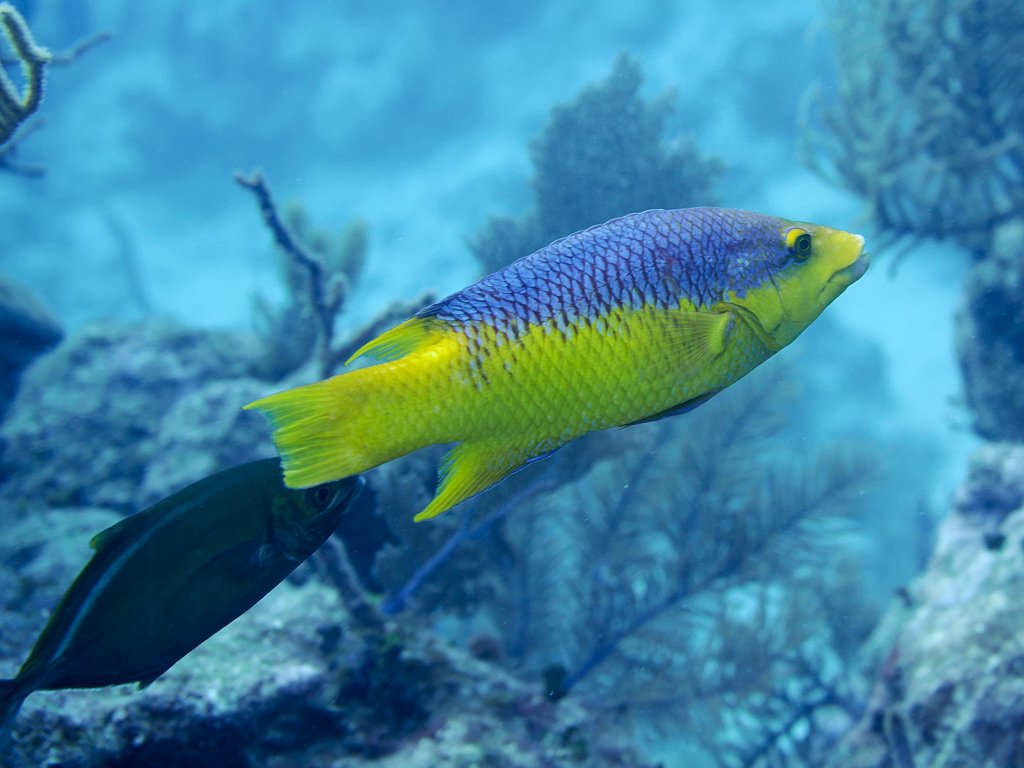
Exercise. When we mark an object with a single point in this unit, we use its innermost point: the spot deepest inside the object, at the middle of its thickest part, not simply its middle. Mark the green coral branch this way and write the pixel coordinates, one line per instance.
(925, 122)
(16, 107)
(326, 294)
(600, 156)
(319, 269)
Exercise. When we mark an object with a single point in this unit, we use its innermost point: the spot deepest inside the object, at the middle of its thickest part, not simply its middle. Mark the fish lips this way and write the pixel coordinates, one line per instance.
(856, 271)
(348, 491)
(851, 273)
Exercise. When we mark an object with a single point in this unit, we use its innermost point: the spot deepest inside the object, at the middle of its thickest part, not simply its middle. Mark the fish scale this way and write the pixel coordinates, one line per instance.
(640, 317)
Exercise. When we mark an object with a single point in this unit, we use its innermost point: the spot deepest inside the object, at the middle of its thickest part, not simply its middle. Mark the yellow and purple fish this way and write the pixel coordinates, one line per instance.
(639, 318)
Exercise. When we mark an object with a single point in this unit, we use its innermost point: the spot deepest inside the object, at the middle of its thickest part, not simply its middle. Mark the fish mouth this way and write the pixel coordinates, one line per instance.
(855, 271)
(345, 492)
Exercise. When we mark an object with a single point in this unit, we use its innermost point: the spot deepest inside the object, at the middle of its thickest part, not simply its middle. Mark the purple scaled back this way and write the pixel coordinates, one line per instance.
(654, 258)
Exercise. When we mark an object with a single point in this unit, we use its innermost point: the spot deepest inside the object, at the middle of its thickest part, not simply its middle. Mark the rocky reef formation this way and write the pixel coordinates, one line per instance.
(949, 658)
(293, 682)
(27, 329)
(83, 427)
(990, 336)
(919, 126)
(120, 415)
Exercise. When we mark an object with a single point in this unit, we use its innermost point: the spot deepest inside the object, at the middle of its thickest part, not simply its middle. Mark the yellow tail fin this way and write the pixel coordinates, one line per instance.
(355, 421)
(325, 431)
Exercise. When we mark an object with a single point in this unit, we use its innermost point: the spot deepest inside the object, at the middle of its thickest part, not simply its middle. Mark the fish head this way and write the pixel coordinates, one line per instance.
(805, 267)
(304, 518)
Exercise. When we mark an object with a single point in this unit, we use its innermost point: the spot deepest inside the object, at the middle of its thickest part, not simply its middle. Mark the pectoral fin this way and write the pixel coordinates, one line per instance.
(690, 336)
(238, 564)
(468, 469)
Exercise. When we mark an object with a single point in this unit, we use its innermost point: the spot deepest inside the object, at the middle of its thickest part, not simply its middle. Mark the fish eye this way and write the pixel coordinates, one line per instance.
(798, 243)
(319, 497)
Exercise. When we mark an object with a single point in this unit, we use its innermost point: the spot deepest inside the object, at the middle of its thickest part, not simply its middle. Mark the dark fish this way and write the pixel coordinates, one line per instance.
(164, 580)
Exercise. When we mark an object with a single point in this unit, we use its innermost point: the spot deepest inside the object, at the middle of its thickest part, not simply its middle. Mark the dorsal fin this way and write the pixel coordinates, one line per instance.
(406, 337)
(125, 526)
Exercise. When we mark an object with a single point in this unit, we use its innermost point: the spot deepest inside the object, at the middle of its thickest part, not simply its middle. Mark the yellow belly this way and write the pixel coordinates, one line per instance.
(505, 401)
(547, 388)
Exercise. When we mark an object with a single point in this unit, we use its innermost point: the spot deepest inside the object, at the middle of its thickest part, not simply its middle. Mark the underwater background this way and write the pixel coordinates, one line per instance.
(818, 567)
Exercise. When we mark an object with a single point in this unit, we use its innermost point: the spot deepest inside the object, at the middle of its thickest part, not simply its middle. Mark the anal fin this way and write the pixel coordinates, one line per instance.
(468, 469)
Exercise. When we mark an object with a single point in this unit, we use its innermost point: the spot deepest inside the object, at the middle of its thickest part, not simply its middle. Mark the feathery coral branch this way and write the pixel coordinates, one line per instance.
(16, 107)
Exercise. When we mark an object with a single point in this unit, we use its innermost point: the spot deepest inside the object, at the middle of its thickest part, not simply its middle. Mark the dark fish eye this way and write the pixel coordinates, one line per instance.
(319, 497)
(798, 243)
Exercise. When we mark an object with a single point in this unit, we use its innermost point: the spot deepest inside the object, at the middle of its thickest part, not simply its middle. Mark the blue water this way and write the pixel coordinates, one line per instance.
(418, 119)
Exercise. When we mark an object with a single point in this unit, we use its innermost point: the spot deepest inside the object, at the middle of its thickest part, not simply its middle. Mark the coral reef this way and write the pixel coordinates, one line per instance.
(990, 337)
(699, 602)
(927, 127)
(294, 681)
(926, 123)
(314, 674)
(27, 329)
(638, 615)
(599, 157)
(947, 662)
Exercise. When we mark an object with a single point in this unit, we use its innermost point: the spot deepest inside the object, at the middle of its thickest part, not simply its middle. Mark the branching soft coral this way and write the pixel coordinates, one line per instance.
(728, 517)
(601, 156)
(15, 107)
(319, 270)
(316, 287)
(927, 123)
(682, 582)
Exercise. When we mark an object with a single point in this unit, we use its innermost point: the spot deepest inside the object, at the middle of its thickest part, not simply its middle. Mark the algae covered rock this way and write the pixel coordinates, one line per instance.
(27, 329)
(295, 681)
(39, 556)
(950, 677)
(203, 432)
(990, 337)
(84, 423)
(261, 686)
